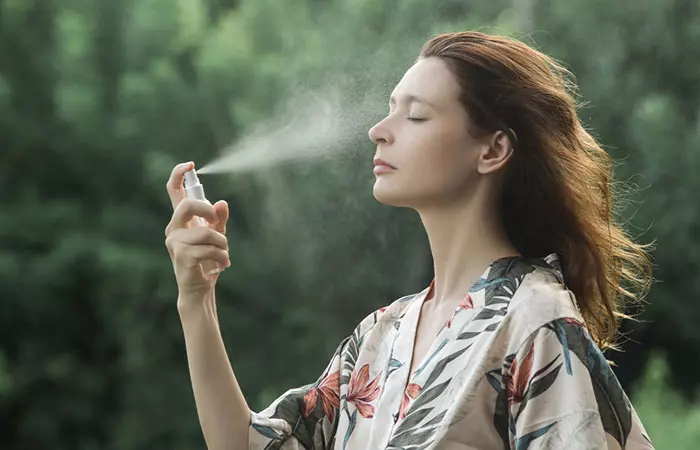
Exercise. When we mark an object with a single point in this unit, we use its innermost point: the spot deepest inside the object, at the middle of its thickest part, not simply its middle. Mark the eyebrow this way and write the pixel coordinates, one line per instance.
(411, 99)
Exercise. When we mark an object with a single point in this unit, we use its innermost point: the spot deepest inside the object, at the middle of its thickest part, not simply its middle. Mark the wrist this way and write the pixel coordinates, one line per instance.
(191, 304)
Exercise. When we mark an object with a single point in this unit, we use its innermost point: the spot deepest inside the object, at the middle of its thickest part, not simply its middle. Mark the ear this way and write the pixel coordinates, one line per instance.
(496, 153)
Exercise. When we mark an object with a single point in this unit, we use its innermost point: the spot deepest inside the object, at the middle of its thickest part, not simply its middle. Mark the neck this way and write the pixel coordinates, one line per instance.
(464, 240)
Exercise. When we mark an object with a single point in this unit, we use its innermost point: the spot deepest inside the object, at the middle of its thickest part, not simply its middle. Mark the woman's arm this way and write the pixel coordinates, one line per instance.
(223, 413)
(222, 410)
(561, 393)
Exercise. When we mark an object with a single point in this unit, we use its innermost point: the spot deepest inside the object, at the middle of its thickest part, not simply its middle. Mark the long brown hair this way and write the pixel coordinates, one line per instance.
(558, 191)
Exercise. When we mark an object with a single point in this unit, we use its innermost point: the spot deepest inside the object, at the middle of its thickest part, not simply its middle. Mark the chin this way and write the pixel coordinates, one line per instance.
(413, 196)
(391, 195)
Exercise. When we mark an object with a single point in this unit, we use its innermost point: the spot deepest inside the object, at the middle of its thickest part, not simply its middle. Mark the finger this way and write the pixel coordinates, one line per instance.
(200, 236)
(188, 208)
(196, 236)
(176, 190)
(193, 255)
(221, 208)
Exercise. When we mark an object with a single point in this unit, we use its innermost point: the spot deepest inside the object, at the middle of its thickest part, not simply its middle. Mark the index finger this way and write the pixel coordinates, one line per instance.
(175, 187)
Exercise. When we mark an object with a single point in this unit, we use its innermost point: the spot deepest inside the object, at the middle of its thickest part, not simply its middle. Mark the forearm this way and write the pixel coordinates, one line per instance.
(221, 407)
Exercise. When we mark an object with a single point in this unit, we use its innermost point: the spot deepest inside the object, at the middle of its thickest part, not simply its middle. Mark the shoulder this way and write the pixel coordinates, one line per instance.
(541, 299)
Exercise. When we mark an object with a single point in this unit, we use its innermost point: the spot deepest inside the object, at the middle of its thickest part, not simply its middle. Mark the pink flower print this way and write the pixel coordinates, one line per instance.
(516, 381)
(328, 390)
(362, 392)
(412, 391)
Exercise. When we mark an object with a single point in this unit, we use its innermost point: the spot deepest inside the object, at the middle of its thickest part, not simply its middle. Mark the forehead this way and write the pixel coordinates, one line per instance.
(430, 79)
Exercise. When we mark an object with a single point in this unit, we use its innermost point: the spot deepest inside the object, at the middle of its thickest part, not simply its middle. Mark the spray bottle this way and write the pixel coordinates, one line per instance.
(195, 190)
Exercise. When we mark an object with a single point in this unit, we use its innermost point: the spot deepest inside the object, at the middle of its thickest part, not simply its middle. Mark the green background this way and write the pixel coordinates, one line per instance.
(100, 98)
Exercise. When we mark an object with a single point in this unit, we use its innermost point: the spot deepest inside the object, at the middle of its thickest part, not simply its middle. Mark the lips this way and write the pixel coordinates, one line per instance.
(381, 162)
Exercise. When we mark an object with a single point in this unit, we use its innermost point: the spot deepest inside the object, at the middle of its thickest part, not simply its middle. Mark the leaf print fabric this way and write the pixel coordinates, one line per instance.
(301, 418)
(513, 368)
(327, 390)
(560, 391)
(362, 392)
(412, 391)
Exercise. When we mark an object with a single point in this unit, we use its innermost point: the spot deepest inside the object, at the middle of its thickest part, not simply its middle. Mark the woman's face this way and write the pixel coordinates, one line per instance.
(426, 139)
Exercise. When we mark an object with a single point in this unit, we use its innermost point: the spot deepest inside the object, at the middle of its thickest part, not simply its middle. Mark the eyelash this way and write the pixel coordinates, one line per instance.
(412, 119)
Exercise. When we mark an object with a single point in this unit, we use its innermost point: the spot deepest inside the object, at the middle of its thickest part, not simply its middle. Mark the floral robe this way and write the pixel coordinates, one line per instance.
(514, 368)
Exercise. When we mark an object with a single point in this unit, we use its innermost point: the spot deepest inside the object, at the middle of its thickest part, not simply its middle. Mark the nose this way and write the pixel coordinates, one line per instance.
(380, 133)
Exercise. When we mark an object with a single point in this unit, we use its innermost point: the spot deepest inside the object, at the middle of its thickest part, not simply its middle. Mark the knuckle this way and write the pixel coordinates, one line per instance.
(218, 239)
(171, 243)
(184, 205)
(200, 235)
(203, 234)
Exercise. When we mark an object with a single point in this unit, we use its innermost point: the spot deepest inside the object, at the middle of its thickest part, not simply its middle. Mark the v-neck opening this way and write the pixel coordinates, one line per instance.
(414, 336)
(436, 339)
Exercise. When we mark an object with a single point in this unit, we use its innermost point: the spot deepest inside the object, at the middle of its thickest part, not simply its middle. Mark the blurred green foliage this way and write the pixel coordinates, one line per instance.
(672, 419)
(99, 99)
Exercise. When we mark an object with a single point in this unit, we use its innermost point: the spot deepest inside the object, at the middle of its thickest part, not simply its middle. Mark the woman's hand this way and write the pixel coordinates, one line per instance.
(190, 244)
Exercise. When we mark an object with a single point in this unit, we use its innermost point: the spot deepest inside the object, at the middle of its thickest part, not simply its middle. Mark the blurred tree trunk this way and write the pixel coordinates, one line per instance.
(32, 78)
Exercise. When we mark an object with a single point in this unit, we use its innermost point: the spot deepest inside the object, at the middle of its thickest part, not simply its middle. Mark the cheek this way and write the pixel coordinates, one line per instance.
(434, 166)
(443, 160)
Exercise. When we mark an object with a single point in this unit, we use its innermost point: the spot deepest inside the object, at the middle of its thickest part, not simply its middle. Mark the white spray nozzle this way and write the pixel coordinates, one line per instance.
(193, 188)
(191, 178)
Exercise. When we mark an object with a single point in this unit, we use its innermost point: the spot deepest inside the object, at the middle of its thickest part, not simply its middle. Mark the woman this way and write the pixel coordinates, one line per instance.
(502, 350)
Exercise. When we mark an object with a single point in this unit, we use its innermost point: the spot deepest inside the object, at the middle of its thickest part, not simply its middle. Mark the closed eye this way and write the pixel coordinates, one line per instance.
(417, 119)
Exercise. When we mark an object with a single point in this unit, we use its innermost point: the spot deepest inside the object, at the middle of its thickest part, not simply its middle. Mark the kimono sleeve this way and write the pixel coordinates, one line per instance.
(302, 418)
(562, 393)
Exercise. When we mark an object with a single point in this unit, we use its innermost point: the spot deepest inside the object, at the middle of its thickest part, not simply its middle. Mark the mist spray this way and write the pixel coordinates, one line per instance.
(195, 190)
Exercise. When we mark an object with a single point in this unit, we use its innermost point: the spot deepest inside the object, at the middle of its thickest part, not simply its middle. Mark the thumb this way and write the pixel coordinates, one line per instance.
(221, 208)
